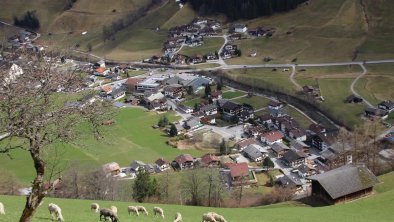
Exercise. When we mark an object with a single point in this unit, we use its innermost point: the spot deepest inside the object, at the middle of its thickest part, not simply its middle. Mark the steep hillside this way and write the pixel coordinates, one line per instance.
(375, 208)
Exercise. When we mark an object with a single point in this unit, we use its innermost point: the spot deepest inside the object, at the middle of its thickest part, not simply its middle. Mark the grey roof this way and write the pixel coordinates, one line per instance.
(208, 108)
(298, 145)
(198, 82)
(136, 163)
(230, 105)
(193, 122)
(293, 155)
(303, 168)
(174, 80)
(277, 147)
(289, 180)
(252, 152)
(346, 180)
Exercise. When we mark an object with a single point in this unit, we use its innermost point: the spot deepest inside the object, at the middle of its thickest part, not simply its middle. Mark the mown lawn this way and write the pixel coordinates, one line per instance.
(210, 45)
(257, 102)
(130, 138)
(232, 94)
(301, 119)
(378, 207)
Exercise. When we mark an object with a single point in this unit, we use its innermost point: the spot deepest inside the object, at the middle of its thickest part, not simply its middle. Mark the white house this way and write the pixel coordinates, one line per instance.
(240, 28)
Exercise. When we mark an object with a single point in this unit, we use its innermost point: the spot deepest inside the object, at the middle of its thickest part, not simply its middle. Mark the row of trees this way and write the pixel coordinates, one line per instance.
(28, 20)
(246, 9)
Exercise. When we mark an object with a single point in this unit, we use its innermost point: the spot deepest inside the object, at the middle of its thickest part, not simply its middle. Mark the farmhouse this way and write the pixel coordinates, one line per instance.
(183, 161)
(272, 137)
(253, 153)
(241, 175)
(343, 184)
(293, 158)
(162, 164)
(279, 149)
(210, 160)
(299, 146)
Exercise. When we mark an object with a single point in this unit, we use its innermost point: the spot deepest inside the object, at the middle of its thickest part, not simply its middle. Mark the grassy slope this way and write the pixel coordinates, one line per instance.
(124, 142)
(210, 45)
(376, 208)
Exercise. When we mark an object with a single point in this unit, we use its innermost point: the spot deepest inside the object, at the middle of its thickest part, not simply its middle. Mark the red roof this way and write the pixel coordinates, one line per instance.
(317, 128)
(100, 69)
(239, 170)
(184, 158)
(246, 142)
(161, 161)
(209, 158)
(133, 81)
(272, 136)
(106, 88)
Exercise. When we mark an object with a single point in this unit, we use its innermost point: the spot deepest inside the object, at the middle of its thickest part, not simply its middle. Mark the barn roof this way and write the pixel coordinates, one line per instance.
(346, 180)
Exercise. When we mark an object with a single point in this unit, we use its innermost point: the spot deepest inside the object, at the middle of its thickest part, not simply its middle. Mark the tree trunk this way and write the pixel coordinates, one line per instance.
(38, 193)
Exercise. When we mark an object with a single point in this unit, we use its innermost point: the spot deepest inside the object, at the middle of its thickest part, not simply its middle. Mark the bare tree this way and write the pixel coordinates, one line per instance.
(33, 111)
(216, 189)
(193, 186)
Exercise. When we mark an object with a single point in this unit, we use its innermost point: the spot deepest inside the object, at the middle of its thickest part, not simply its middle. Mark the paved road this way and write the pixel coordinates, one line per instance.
(354, 83)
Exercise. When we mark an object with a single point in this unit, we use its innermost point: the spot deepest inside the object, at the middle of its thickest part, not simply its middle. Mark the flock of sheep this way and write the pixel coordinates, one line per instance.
(112, 213)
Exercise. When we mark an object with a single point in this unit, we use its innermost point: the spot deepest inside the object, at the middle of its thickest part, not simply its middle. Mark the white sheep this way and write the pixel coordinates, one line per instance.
(114, 210)
(218, 217)
(2, 210)
(55, 212)
(95, 207)
(133, 209)
(159, 211)
(208, 218)
(178, 217)
(142, 209)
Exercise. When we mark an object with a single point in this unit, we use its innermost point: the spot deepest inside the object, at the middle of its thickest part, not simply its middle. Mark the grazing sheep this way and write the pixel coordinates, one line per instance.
(142, 209)
(134, 210)
(218, 217)
(107, 213)
(114, 210)
(95, 207)
(208, 218)
(55, 212)
(158, 210)
(178, 217)
(2, 210)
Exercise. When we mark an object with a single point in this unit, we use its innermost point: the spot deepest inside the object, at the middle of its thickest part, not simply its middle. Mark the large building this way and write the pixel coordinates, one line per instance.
(343, 184)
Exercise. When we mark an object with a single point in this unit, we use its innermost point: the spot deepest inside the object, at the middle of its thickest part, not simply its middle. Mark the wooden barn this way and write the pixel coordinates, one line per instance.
(343, 184)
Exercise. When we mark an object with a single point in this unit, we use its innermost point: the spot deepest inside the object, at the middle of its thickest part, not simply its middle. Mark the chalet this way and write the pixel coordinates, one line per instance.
(299, 146)
(375, 113)
(241, 145)
(275, 105)
(297, 134)
(294, 158)
(117, 93)
(343, 184)
(136, 166)
(252, 153)
(157, 104)
(387, 105)
(241, 175)
(111, 168)
(173, 90)
(321, 141)
(210, 160)
(231, 109)
(131, 84)
(240, 28)
(192, 124)
(290, 181)
(353, 99)
(315, 129)
(106, 89)
(279, 149)
(210, 109)
(162, 164)
(185, 109)
(272, 137)
(265, 119)
(247, 113)
(183, 161)
(255, 131)
(305, 171)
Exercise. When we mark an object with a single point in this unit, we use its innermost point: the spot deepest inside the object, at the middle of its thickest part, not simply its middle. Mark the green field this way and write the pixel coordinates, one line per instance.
(210, 46)
(301, 119)
(130, 138)
(232, 94)
(378, 207)
(257, 102)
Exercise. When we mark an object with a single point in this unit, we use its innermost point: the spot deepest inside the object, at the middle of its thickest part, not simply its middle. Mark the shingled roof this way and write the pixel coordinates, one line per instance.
(346, 180)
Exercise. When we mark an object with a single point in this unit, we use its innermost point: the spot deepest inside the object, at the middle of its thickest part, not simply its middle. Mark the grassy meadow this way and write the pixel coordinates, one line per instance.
(374, 208)
(130, 138)
(210, 46)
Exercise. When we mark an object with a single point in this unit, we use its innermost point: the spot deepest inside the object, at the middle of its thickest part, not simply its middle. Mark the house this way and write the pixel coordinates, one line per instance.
(275, 105)
(265, 119)
(215, 95)
(272, 137)
(197, 83)
(305, 171)
(111, 168)
(210, 109)
(297, 134)
(293, 158)
(255, 131)
(150, 168)
(240, 28)
(343, 184)
(134, 101)
(387, 105)
(279, 149)
(315, 129)
(241, 175)
(299, 146)
(247, 113)
(162, 164)
(136, 166)
(117, 93)
(101, 71)
(231, 109)
(253, 153)
(290, 181)
(375, 113)
(244, 143)
(210, 160)
(321, 141)
(131, 84)
(150, 84)
(208, 120)
(173, 90)
(184, 161)
(185, 109)
(106, 89)
(192, 123)
(353, 99)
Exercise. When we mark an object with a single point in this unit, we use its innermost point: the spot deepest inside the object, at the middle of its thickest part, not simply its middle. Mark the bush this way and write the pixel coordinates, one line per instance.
(28, 20)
